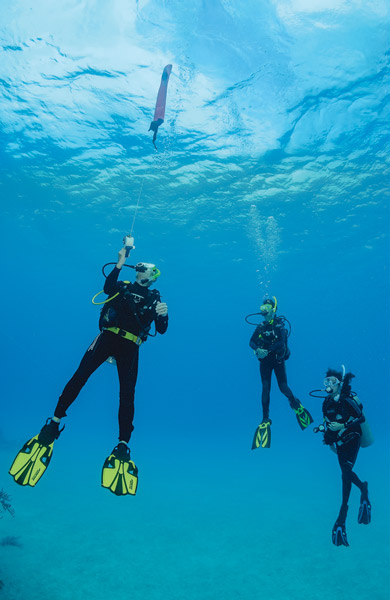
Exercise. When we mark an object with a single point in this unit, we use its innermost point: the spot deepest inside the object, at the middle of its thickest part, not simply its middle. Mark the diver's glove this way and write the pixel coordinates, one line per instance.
(161, 309)
(261, 353)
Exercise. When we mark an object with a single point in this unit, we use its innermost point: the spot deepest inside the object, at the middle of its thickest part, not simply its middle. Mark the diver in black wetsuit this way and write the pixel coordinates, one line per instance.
(125, 323)
(343, 420)
(269, 342)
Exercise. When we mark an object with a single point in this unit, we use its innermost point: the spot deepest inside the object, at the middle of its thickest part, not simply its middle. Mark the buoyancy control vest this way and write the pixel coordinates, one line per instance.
(133, 309)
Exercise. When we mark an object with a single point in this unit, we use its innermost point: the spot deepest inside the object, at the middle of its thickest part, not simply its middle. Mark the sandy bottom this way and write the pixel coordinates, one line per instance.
(256, 525)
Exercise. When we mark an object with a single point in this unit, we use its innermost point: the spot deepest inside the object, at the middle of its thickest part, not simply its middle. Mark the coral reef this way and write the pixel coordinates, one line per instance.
(5, 503)
(10, 540)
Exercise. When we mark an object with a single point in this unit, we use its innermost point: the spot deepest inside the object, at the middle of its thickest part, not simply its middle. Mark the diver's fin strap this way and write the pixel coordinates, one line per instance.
(125, 334)
(304, 418)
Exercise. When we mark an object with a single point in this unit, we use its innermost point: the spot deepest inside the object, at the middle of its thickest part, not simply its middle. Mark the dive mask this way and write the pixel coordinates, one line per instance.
(149, 270)
(331, 383)
(266, 308)
(269, 305)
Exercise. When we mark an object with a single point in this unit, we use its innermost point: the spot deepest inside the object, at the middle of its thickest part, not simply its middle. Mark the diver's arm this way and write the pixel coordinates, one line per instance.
(343, 428)
(161, 324)
(160, 316)
(254, 342)
(111, 285)
(121, 258)
(357, 410)
(357, 421)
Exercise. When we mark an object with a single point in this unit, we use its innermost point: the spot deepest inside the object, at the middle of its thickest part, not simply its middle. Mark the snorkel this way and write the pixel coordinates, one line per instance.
(336, 397)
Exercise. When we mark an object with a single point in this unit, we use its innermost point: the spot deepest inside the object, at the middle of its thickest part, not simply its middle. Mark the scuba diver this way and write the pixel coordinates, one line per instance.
(345, 430)
(269, 343)
(125, 321)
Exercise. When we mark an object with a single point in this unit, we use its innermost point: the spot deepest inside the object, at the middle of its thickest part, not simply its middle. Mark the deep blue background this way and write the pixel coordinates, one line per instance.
(271, 176)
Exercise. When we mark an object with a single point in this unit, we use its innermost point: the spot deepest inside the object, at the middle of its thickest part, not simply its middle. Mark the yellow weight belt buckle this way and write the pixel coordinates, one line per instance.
(125, 334)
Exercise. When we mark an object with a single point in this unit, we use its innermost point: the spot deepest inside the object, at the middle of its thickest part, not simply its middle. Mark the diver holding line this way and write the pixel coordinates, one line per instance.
(269, 343)
(345, 430)
(125, 321)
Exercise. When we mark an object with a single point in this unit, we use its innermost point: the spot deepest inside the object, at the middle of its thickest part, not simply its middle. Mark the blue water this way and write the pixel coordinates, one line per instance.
(271, 176)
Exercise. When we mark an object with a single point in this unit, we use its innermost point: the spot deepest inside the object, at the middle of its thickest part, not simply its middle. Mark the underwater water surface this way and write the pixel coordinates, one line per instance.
(270, 177)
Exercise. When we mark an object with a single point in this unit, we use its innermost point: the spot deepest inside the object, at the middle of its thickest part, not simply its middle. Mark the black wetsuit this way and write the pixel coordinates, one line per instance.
(348, 412)
(272, 336)
(133, 311)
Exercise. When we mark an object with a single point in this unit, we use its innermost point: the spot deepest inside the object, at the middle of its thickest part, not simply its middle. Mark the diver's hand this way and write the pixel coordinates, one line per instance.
(334, 426)
(162, 309)
(261, 353)
(121, 258)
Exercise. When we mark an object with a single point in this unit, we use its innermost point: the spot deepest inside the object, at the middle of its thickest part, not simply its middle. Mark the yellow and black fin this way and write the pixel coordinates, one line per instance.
(119, 474)
(304, 418)
(31, 462)
(262, 437)
(35, 456)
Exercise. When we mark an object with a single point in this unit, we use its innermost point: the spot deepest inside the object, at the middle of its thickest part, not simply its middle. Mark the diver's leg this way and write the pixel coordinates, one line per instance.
(281, 377)
(347, 458)
(127, 364)
(347, 455)
(97, 353)
(265, 374)
(356, 481)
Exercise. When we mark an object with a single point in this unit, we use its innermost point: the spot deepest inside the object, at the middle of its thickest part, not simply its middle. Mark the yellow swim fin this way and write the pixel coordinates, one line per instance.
(31, 462)
(35, 456)
(119, 474)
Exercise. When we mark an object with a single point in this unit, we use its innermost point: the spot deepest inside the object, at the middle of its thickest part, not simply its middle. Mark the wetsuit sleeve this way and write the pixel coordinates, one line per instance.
(111, 284)
(255, 341)
(356, 414)
(160, 322)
